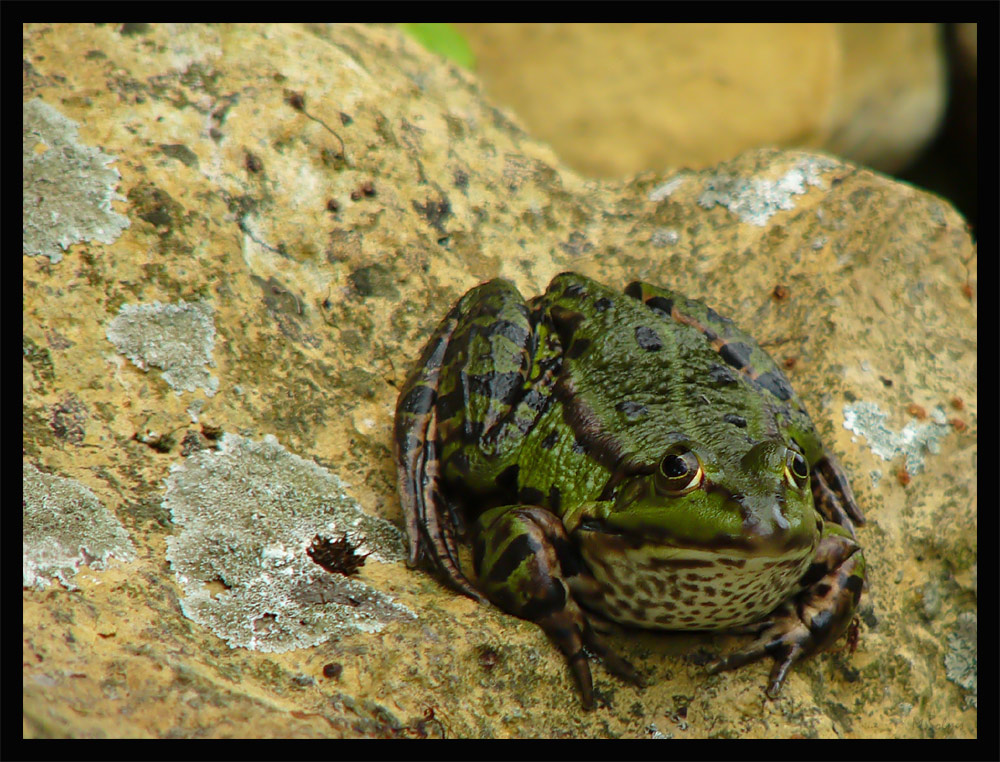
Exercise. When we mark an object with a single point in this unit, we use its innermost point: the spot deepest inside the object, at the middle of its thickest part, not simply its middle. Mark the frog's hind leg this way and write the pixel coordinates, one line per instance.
(456, 417)
(528, 567)
(418, 462)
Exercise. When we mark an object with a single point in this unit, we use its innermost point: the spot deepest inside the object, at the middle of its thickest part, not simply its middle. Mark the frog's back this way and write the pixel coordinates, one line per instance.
(657, 368)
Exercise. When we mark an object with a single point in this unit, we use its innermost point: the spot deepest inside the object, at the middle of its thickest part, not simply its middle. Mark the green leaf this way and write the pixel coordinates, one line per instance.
(444, 40)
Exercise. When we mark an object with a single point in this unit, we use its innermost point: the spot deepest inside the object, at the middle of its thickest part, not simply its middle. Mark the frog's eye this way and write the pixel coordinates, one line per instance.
(680, 472)
(796, 469)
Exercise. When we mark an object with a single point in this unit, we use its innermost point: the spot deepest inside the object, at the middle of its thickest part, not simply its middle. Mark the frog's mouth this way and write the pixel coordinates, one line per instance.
(715, 519)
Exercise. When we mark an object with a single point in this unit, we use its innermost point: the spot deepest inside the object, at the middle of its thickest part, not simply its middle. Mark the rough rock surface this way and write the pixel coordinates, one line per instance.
(328, 192)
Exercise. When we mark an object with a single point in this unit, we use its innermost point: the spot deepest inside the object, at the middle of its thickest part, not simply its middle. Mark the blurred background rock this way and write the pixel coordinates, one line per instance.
(614, 99)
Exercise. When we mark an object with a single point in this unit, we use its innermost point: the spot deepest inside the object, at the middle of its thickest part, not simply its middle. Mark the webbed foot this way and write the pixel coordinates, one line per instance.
(815, 618)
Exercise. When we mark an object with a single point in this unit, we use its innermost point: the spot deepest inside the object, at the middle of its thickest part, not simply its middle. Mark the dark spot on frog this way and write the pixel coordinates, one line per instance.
(555, 498)
(577, 348)
(634, 289)
(499, 386)
(537, 402)
(602, 304)
(565, 322)
(776, 384)
(507, 479)
(449, 405)
(721, 375)
(579, 446)
(332, 206)
(296, 100)
(715, 317)
(855, 584)
(332, 670)
(517, 334)
(460, 179)
(736, 420)
(736, 354)
(345, 119)
(632, 410)
(531, 496)
(521, 547)
(550, 439)
(648, 339)
(472, 432)
(460, 461)
(661, 305)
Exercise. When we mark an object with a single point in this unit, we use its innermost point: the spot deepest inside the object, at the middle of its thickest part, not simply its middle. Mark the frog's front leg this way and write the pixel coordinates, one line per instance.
(813, 619)
(528, 567)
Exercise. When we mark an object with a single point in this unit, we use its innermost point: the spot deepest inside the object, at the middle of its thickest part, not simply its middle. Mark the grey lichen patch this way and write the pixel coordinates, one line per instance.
(179, 338)
(961, 663)
(912, 442)
(67, 187)
(664, 190)
(755, 200)
(245, 517)
(64, 525)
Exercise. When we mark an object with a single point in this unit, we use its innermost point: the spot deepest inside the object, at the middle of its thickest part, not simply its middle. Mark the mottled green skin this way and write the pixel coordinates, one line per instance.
(629, 456)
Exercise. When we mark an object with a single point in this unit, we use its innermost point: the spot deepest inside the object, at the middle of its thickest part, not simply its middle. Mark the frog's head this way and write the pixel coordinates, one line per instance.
(757, 500)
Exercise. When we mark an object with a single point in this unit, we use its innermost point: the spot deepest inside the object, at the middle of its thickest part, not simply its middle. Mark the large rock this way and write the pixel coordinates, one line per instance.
(619, 98)
(216, 379)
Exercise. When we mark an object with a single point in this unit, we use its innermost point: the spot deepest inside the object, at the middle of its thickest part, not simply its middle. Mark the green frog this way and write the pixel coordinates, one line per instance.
(632, 457)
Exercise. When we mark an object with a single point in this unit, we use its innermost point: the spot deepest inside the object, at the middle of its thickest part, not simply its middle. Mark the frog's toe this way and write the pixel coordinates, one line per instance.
(614, 663)
(815, 619)
(786, 640)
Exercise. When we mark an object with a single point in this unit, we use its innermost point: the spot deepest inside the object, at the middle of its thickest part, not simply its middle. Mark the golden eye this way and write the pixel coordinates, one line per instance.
(796, 469)
(680, 472)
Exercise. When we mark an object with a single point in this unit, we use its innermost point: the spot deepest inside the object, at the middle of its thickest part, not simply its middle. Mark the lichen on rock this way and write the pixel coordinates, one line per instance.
(179, 338)
(246, 516)
(63, 526)
(66, 187)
